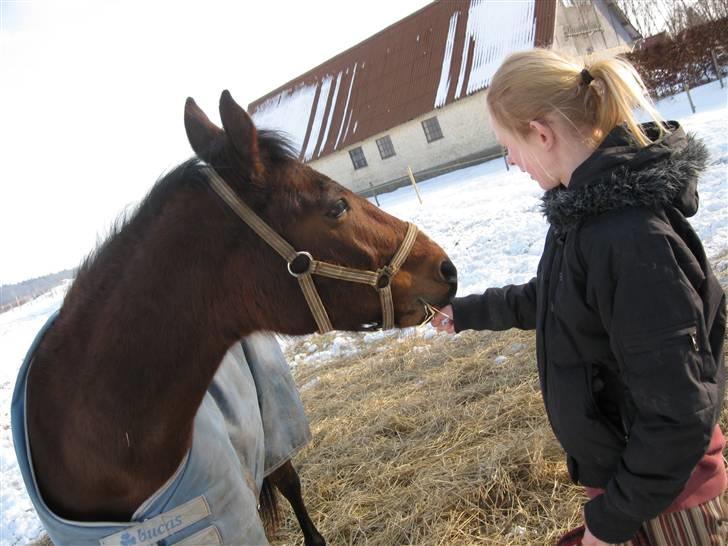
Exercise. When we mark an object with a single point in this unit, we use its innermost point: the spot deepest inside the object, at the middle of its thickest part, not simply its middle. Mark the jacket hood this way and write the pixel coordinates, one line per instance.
(620, 174)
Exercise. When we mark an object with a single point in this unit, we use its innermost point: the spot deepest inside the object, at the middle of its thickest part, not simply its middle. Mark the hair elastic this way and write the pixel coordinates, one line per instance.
(586, 77)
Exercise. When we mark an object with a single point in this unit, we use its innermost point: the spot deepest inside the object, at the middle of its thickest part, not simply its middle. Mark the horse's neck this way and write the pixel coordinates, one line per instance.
(129, 361)
(162, 351)
(120, 381)
(158, 329)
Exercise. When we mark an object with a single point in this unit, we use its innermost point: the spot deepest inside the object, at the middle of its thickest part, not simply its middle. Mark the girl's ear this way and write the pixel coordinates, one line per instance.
(545, 136)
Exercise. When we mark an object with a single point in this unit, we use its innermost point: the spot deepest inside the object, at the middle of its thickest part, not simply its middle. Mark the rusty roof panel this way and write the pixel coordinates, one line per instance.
(439, 54)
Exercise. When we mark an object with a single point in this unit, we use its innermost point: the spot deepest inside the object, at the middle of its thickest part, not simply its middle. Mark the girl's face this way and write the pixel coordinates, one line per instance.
(529, 153)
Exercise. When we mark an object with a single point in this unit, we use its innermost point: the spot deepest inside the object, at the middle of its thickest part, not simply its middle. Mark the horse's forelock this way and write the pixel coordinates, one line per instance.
(276, 146)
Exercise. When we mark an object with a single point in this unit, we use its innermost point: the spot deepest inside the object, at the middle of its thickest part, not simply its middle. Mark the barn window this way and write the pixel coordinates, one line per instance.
(385, 147)
(432, 129)
(357, 158)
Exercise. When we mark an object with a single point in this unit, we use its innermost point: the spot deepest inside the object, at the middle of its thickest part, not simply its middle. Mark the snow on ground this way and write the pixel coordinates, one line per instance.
(487, 219)
(18, 327)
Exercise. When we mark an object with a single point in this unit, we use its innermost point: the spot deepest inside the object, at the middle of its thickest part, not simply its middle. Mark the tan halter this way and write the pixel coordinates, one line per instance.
(302, 265)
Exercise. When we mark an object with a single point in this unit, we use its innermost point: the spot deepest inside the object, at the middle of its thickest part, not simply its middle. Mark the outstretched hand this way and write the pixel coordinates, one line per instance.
(443, 320)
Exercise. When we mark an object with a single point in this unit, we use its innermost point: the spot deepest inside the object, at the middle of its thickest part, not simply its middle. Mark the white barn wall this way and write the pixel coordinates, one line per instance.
(465, 128)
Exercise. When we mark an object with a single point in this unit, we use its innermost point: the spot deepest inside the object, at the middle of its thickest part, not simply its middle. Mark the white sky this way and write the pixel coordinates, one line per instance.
(92, 96)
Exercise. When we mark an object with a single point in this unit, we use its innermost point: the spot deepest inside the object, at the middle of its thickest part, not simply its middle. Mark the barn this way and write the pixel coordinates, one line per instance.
(411, 97)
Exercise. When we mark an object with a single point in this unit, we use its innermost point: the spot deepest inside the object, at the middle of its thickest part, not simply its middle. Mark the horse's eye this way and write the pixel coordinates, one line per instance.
(338, 209)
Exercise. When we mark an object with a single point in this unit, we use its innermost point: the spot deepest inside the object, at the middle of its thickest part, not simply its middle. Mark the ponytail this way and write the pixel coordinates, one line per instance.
(616, 91)
(533, 84)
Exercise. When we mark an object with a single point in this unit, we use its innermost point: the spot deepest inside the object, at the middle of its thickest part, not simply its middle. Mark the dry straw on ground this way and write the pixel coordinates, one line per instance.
(439, 441)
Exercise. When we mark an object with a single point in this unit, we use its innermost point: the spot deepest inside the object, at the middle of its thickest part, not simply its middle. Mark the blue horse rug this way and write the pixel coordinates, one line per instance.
(250, 422)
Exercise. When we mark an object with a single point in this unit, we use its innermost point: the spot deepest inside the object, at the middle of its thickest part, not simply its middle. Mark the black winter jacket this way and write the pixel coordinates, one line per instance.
(629, 323)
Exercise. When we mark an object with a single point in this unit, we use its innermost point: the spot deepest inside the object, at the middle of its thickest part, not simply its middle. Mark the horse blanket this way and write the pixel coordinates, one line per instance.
(251, 421)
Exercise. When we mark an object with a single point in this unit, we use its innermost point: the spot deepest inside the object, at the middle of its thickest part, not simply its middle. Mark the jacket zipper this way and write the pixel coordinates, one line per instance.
(694, 338)
(665, 337)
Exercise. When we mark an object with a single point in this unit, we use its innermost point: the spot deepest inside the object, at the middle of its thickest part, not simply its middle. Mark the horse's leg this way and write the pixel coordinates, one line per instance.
(287, 482)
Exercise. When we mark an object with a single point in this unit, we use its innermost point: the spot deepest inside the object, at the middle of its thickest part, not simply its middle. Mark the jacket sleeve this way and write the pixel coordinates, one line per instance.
(513, 306)
(649, 304)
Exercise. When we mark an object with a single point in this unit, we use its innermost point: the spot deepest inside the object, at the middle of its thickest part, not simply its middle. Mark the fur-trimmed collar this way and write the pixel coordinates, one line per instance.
(619, 174)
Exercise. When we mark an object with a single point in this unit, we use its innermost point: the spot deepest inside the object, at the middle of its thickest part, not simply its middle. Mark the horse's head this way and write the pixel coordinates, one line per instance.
(316, 215)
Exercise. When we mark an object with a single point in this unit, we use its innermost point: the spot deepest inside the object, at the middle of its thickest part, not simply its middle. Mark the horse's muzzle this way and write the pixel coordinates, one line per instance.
(449, 274)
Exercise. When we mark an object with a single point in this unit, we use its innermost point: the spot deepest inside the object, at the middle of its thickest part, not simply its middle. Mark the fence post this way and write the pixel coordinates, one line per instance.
(414, 184)
(376, 200)
(717, 68)
(505, 158)
(687, 90)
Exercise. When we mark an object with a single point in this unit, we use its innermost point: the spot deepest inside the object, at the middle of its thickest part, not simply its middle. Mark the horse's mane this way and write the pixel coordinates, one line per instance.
(130, 225)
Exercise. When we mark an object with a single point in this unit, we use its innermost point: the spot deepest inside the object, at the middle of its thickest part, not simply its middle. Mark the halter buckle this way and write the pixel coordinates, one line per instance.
(301, 264)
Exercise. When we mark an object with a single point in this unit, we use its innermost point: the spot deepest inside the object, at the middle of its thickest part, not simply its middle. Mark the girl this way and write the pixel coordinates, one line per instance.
(629, 318)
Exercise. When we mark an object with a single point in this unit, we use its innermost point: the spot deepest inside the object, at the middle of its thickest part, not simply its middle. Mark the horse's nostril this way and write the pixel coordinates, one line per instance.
(448, 272)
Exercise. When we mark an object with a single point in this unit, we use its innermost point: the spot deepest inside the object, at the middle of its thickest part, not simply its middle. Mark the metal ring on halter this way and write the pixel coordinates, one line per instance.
(384, 277)
(309, 266)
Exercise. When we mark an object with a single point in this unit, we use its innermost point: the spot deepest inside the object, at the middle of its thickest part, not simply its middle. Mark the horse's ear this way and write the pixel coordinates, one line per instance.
(201, 132)
(241, 131)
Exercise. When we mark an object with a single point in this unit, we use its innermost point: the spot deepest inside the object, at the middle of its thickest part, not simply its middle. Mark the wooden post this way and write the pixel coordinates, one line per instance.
(375, 194)
(687, 90)
(717, 68)
(505, 158)
(414, 184)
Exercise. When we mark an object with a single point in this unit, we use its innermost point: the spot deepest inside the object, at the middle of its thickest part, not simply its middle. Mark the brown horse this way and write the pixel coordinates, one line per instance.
(153, 311)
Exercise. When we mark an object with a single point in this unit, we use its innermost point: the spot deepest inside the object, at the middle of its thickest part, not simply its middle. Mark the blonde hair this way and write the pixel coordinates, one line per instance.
(532, 84)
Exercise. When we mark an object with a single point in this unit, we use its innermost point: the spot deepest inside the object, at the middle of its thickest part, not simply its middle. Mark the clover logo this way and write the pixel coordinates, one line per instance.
(127, 540)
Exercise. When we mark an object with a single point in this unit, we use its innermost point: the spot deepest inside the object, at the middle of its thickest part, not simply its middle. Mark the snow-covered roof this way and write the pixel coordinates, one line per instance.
(439, 54)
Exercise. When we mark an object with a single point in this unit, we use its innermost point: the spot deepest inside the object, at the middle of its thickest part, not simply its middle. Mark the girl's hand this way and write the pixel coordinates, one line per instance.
(591, 540)
(443, 321)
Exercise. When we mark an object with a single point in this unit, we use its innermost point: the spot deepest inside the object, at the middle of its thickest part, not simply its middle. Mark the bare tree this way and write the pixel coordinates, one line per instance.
(711, 10)
(651, 17)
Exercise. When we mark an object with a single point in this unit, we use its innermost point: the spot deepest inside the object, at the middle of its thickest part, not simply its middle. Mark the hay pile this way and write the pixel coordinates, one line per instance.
(439, 441)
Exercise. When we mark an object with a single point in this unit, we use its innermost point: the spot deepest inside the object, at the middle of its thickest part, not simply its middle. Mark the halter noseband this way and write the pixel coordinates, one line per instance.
(302, 265)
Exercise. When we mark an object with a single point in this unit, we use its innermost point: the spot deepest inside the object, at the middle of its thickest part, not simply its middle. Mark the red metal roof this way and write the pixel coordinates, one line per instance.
(443, 52)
